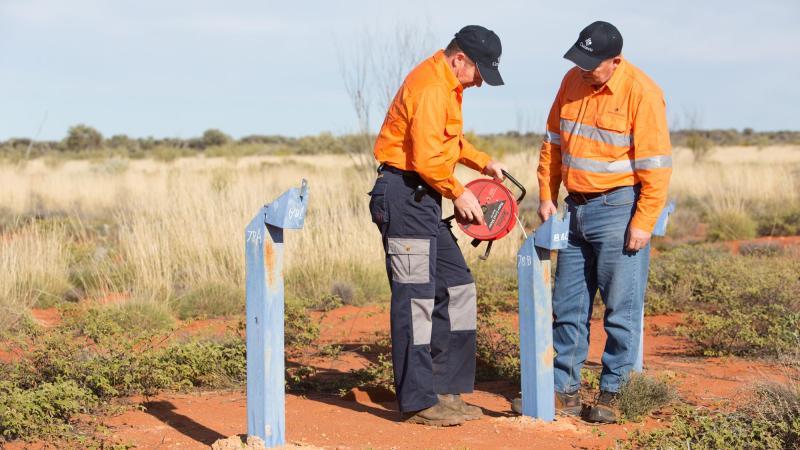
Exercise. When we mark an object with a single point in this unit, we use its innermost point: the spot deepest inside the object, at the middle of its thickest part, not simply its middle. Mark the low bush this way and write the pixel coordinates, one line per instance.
(41, 411)
(782, 220)
(770, 421)
(741, 305)
(641, 395)
(729, 225)
(497, 345)
(209, 300)
(94, 356)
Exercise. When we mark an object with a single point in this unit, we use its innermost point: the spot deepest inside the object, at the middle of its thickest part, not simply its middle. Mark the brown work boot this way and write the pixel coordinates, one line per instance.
(568, 404)
(455, 402)
(437, 415)
(605, 409)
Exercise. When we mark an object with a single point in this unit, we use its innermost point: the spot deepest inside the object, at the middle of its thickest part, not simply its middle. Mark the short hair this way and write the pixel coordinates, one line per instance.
(452, 48)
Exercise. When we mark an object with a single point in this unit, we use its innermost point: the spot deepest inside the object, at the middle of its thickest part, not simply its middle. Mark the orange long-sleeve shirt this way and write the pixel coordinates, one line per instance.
(614, 136)
(423, 129)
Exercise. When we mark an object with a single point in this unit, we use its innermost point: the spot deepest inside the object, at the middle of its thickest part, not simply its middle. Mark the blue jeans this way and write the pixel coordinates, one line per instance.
(596, 259)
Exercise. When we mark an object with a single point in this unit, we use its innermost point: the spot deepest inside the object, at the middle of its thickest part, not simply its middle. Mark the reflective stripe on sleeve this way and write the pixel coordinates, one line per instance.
(553, 138)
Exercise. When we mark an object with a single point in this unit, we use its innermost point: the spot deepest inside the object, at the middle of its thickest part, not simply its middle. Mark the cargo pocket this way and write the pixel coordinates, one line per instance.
(410, 260)
(377, 204)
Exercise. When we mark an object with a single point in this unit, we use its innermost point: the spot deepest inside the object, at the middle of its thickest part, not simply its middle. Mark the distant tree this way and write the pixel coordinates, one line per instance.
(214, 137)
(121, 141)
(83, 137)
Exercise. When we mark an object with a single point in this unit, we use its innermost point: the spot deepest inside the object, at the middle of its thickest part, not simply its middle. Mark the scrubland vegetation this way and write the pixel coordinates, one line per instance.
(129, 238)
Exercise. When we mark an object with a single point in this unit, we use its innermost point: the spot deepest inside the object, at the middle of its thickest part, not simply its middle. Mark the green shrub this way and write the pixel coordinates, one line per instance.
(729, 225)
(300, 330)
(497, 345)
(82, 137)
(209, 300)
(771, 420)
(41, 411)
(213, 137)
(641, 395)
(141, 316)
(742, 305)
(91, 358)
(784, 220)
(378, 374)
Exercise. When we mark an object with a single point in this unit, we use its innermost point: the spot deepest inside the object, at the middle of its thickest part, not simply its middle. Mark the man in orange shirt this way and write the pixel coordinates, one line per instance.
(607, 141)
(433, 309)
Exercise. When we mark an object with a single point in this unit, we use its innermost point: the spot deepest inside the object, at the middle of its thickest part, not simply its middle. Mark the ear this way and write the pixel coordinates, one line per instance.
(617, 60)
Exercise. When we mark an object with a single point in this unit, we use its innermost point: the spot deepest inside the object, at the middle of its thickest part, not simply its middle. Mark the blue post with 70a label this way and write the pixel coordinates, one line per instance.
(265, 308)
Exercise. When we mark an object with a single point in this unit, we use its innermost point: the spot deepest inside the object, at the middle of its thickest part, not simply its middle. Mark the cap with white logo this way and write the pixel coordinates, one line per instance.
(596, 43)
(484, 49)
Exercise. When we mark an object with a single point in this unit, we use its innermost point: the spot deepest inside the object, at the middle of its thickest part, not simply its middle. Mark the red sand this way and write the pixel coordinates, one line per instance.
(364, 420)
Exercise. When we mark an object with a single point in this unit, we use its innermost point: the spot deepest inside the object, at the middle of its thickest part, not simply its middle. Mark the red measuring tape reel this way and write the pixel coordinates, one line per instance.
(500, 210)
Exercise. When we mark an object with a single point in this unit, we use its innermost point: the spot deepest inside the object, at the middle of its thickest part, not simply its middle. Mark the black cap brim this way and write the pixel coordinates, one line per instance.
(490, 74)
(581, 59)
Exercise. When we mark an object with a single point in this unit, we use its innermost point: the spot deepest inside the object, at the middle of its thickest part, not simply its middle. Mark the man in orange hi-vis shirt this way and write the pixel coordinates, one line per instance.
(607, 141)
(433, 309)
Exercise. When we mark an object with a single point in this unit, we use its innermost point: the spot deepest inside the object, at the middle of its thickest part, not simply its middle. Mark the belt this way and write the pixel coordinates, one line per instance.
(421, 188)
(581, 198)
(406, 173)
(387, 168)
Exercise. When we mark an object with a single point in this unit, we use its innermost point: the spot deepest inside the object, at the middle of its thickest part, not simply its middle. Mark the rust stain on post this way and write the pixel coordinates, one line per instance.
(547, 356)
(269, 262)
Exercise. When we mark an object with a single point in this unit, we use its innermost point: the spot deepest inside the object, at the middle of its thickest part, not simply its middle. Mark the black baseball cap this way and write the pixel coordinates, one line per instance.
(596, 43)
(484, 49)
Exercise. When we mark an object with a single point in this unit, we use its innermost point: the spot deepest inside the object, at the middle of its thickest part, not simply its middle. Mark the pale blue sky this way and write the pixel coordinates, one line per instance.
(173, 68)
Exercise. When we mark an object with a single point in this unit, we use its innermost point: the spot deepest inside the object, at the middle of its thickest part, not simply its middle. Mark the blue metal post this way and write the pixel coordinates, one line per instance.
(265, 307)
(536, 331)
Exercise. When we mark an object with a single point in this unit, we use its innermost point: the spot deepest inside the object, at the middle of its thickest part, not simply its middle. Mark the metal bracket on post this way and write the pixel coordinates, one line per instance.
(536, 331)
(265, 309)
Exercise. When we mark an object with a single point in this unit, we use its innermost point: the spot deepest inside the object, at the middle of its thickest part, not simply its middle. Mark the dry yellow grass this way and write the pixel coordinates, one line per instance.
(180, 224)
(33, 266)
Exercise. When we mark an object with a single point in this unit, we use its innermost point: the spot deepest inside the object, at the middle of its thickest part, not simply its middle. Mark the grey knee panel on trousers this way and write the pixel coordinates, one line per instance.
(422, 320)
(409, 258)
(462, 307)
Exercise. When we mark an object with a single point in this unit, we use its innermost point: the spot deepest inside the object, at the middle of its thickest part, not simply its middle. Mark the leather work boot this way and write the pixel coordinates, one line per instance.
(437, 415)
(455, 402)
(605, 409)
(566, 404)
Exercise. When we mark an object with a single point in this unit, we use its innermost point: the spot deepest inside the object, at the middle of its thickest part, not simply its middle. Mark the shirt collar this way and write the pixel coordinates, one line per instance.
(614, 83)
(450, 78)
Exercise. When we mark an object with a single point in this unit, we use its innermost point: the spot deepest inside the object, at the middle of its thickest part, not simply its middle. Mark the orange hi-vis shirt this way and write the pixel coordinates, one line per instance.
(610, 137)
(422, 131)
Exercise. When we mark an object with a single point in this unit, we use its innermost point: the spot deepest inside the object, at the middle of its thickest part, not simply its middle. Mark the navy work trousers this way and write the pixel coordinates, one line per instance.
(433, 309)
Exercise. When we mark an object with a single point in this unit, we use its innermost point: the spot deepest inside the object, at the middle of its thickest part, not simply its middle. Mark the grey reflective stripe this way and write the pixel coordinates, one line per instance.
(622, 166)
(596, 134)
(421, 322)
(654, 162)
(553, 138)
(462, 307)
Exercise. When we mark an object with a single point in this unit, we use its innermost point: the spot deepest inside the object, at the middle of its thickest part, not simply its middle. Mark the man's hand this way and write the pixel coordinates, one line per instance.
(495, 169)
(637, 239)
(467, 209)
(546, 209)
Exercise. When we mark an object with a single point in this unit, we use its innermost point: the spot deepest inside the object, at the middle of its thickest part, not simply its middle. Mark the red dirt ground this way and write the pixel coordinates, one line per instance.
(363, 420)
